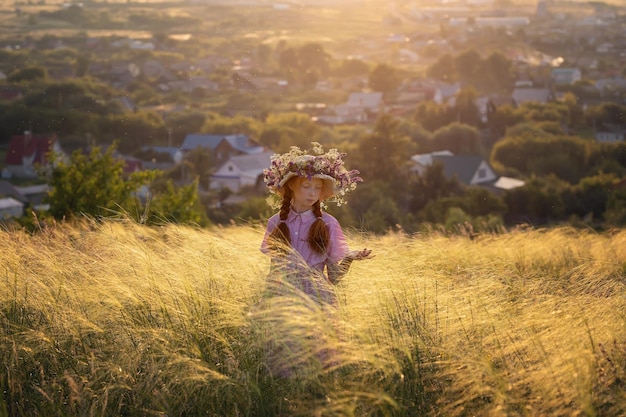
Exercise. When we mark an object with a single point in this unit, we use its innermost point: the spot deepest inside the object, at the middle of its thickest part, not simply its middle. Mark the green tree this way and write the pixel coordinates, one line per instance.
(430, 186)
(540, 201)
(503, 117)
(264, 55)
(575, 112)
(200, 166)
(373, 209)
(28, 74)
(466, 109)
(134, 130)
(232, 125)
(605, 114)
(180, 124)
(479, 201)
(91, 184)
(283, 130)
(76, 95)
(313, 57)
(82, 65)
(444, 69)
(458, 138)
(289, 63)
(563, 156)
(592, 195)
(498, 72)
(175, 204)
(468, 65)
(433, 116)
(384, 78)
(351, 67)
(545, 112)
(384, 154)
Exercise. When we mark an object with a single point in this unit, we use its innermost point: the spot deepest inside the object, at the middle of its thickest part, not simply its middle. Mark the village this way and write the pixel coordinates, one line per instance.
(547, 54)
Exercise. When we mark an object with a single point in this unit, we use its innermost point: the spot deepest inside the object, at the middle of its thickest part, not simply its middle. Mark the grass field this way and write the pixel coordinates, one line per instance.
(119, 319)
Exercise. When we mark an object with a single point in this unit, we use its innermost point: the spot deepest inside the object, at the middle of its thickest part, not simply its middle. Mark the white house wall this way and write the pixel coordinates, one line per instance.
(489, 174)
(10, 208)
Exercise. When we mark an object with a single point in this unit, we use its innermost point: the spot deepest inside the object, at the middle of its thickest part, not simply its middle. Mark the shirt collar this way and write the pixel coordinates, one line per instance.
(304, 216)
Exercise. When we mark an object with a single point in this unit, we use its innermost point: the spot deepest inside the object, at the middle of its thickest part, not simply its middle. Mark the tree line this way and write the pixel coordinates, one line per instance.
(570, 177)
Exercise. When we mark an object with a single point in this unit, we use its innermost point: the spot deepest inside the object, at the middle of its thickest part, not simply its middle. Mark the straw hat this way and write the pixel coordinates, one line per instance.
(313, 163)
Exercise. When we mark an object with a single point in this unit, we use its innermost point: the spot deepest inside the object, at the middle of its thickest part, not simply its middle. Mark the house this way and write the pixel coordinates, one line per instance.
(153, 68)
(61, 72)
(27, 152)
(211, 63)
(31, 195)
(243, 81)
(160, 157)
(536, 95)
(565, 76)
(605, 48)
(123, 73)
(370, 102)
(430, 89)
(488, 106)
(131, 164)
(189, 85)
(359, 108)
(241, 171)
(609, 85)
(9, 190)
(10, 208)
(413, 95)
(343, 114)
(10, 93)
(610, 135)
(423, 161)
(222, 147)
(35, 195)
(249, 82)
(468, 170)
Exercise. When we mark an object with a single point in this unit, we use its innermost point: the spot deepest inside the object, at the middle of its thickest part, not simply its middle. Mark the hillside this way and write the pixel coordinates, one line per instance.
(116, 318)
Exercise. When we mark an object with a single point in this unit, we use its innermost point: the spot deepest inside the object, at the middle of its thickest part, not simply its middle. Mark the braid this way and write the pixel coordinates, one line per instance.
(280, 236)
(319, 236)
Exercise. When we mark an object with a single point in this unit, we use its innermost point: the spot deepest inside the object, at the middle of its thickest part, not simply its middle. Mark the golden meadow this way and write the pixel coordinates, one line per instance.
(114, 318)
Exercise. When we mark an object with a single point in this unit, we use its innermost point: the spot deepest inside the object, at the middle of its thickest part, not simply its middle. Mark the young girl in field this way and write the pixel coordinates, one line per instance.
(307, 245)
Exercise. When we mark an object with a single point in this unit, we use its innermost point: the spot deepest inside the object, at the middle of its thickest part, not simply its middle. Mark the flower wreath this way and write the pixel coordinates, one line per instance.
(311, 163)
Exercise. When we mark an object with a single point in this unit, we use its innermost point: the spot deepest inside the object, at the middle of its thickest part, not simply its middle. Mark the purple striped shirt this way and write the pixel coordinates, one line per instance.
(299, 225)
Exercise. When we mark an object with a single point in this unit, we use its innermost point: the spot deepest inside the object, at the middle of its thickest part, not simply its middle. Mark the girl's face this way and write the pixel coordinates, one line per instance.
(306, 193)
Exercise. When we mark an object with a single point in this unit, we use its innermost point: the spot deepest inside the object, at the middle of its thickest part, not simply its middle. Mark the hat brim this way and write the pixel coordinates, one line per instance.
(328, 190)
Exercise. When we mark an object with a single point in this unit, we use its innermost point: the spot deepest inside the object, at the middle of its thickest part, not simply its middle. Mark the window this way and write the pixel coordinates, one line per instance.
(482, 173)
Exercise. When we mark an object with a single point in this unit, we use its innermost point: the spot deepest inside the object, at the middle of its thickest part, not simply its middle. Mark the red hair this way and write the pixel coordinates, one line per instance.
(319, 236)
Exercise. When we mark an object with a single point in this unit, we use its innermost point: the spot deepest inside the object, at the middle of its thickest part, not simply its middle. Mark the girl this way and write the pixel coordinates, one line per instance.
(307, 245)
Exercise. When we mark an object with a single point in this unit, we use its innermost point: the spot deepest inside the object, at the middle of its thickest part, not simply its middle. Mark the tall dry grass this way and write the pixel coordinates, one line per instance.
(114, 318)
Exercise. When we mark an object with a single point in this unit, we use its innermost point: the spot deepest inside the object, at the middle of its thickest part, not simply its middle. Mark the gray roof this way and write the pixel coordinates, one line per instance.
(367, 100)
(426, 159)
(252, 162)
(539, 95)
(169, 150)
(250, 166)
(10, 202)
(239, 142)
(8, 190)
(463, 166)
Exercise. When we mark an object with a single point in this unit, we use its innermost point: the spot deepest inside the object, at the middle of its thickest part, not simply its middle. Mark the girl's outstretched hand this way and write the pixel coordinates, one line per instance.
(359, 255)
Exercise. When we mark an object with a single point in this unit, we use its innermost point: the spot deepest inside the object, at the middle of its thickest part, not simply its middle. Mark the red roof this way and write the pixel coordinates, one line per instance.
(10, 94)
(29, 147)
(132, 165)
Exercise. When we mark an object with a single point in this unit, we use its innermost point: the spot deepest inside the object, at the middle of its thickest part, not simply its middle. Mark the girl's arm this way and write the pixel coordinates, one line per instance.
(338, 270)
